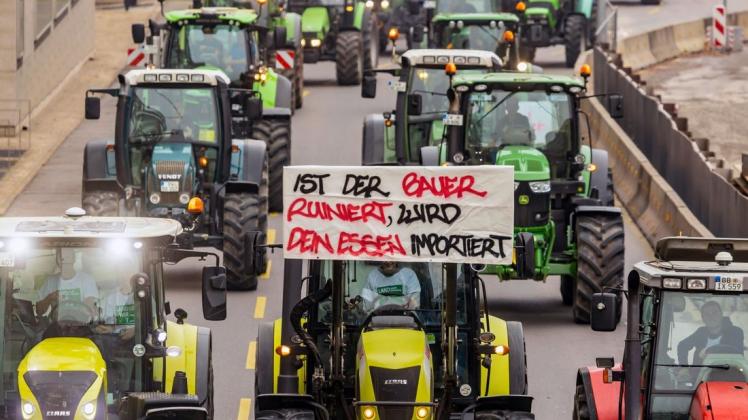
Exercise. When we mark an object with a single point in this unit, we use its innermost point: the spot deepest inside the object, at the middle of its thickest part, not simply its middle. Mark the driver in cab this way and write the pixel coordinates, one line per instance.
(717, 332)
(391, 284)
(68, 285)
(513, 126)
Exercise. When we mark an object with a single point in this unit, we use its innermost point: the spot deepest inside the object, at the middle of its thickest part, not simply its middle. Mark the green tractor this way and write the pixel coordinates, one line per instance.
(288, 57)
(230, 40)
(495, 32)
(174, 156)
(331, 355)
(344, 31)
(565, 220)
(571, 23)
(416, 121)
(83, 321)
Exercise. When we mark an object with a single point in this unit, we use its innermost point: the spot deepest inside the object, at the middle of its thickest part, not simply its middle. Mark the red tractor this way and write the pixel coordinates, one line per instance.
(685, 355)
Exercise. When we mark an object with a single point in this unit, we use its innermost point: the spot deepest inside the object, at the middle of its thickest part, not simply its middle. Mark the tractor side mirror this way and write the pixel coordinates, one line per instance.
(615, 106)
(417, 34)
(93, 107)
(279, 37)
(415, 104)
(369, 86)
(603, 316)
(214, 293)
(138, 33)
(414, 7)
(253, 108)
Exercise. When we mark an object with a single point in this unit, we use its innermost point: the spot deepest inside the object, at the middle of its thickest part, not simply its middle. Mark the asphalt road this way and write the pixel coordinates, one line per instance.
(327, 131)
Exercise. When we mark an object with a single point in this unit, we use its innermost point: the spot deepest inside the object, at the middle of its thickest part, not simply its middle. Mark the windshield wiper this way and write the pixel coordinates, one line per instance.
(495, 38)
(494, 107)
(723, 366)
(429, 92)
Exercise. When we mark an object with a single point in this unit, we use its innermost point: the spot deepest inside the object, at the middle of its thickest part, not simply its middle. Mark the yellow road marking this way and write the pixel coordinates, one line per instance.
(271, 236)
(251, 354)
(260, 307)
(266, 274)
(655, 10)
(245, 406)
(273, 214)
(306, 93)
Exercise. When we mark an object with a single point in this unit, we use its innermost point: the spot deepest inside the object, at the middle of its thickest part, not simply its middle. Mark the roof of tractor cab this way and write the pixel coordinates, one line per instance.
(243, 16)
(175, 76)
(425, 57)
(476, 17)
(88, 227)
(511, 78)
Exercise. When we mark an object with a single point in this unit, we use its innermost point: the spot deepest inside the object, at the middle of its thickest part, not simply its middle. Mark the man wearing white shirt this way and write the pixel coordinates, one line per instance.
(391, 285)
(68, 286)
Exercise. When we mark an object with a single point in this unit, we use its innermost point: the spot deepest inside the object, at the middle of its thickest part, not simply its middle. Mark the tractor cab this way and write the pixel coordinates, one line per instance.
(84, 323)
(563, 189)
(494, 32)
(174, 156)
(417, 120)
(391, 357)
(685, 355)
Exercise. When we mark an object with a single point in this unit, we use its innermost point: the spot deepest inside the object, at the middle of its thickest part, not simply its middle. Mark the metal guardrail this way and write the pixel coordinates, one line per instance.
(606, 27)
(15, 131)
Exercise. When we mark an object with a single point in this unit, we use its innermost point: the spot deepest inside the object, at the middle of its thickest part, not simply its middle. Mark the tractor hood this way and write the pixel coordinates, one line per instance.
(62, 378)
(529, 164)
(315, 20)
(171, 175)
(718, 400)
(389, 373)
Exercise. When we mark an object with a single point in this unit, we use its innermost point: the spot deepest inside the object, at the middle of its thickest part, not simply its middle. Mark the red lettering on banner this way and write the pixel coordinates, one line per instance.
(345, 212)
(415, 185)
(369, 245)
(308, 241)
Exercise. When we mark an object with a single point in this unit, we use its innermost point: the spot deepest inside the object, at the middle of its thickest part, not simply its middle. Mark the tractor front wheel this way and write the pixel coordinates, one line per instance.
(575, 38)
(370, 42)
(276, 133)
(101, 203)
(349, 60)
(600, 249)
(517, 358)
(242, 212)
(581, 408)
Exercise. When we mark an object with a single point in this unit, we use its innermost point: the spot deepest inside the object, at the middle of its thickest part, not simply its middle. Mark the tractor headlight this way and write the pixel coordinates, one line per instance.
(369, 413)
(315, 43)
(672, 283)
(303, 42)
(155, 198)
(184, 198)
(422, 412)
(369, 4)
(540, 187)
(89, 409)
(385, 4)
(28, 409)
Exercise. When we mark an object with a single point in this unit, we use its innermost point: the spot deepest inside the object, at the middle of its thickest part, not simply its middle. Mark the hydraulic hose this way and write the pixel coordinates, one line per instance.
(303, 307)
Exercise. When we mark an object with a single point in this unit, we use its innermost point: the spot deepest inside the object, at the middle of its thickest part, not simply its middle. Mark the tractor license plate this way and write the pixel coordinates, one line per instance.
(169, 186)
(453, 119)
(429, 4)
(728, 284)
(7, 259)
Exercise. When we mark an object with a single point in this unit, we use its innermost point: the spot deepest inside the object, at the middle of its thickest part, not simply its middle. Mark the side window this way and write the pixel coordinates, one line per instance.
(647, 320)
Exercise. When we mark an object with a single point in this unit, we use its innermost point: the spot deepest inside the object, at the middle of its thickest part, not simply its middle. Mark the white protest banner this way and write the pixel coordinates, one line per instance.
(417, 213)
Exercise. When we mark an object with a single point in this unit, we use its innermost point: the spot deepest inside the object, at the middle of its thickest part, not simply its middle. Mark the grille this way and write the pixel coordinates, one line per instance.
(170, 167)
(59, 393)
(534, 213)
(395, 385)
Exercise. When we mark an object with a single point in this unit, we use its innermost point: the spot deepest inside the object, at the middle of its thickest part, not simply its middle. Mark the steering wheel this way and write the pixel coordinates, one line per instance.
(391, 310)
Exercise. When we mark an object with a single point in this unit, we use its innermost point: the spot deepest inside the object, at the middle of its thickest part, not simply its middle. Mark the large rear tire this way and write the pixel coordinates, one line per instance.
(276, 133)
(517, 358)
(349, 60)
(101, 203)
(209, 401)
(370, 42)
(581, 408)
(600, 249)
(264, 369)
(575, 38)
(298, 85)
(241, 213)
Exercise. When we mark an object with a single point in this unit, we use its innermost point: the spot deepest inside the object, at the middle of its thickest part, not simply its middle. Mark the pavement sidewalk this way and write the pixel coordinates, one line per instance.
(65, 111)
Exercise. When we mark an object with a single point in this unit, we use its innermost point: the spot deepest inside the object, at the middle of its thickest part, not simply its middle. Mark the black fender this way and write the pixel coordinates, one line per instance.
(283, 92)
(265, 368)
(584, 380)
(98, 174)
(372, 146)
(251, 162)
(599, 177)
(202, 371)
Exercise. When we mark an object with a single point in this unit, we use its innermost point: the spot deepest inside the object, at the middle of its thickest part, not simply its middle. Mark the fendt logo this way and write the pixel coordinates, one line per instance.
(58, 413)
(396, 382)
(169, 176)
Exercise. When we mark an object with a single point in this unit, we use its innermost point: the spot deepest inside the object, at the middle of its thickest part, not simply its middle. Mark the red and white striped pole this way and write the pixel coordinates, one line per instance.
(719, 27)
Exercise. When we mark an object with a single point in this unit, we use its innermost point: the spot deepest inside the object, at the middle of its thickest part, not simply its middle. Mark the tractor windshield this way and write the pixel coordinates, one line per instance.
(701, 338)
(414, 286)
(472, 36)
(224, 47)
(467, 6)
(162, 119)
(77, 302)
(537, 119)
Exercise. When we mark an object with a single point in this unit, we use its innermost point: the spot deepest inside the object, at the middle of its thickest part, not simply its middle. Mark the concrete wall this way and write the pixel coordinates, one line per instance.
(46, 62)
